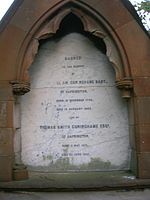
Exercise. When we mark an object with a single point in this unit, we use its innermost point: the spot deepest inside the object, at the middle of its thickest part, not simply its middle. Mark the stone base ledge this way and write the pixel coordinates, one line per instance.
(76, 181)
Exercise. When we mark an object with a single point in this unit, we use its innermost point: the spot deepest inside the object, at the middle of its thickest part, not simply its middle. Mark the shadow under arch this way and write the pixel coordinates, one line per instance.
(72, 24)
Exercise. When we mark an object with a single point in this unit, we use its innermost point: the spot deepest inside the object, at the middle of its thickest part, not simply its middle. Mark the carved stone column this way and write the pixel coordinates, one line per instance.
(125, 85)
(19, 169)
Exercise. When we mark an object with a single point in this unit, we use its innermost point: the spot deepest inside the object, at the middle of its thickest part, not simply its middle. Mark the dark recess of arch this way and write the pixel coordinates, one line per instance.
(72, 24)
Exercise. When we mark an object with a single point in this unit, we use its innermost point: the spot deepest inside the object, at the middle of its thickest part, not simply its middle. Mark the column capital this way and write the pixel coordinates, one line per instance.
(126, 85)
(20, 87)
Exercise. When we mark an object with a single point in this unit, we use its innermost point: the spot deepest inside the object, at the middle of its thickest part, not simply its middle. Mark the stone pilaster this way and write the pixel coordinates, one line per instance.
(19, 169)
(6, 132)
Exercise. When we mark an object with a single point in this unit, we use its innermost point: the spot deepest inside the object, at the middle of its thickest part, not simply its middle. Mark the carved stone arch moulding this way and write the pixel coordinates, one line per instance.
(93, 23)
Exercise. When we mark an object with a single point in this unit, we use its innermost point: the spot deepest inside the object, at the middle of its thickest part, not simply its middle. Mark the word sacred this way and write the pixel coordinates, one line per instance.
(73, 58)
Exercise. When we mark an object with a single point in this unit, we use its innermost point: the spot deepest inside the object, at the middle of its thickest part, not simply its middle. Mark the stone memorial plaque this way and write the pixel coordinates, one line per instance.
(74, 117)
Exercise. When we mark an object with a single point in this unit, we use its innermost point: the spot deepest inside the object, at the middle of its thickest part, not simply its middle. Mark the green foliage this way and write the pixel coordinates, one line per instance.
(145, 6)
(143, 10)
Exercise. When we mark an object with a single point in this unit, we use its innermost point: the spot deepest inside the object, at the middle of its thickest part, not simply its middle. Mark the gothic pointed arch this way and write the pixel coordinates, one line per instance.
(48, 25)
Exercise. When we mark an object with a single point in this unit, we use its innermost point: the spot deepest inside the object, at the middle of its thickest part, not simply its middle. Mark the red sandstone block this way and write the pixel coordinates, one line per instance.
(144, 165)
(3, 114)
(6, 163)
(109, 11)
(20, 174)
(6, 114)
(9, 50)
(6, 92)
(142, 86)
(142, 110)
(143, 138)
(138, 53)
(6, 141)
